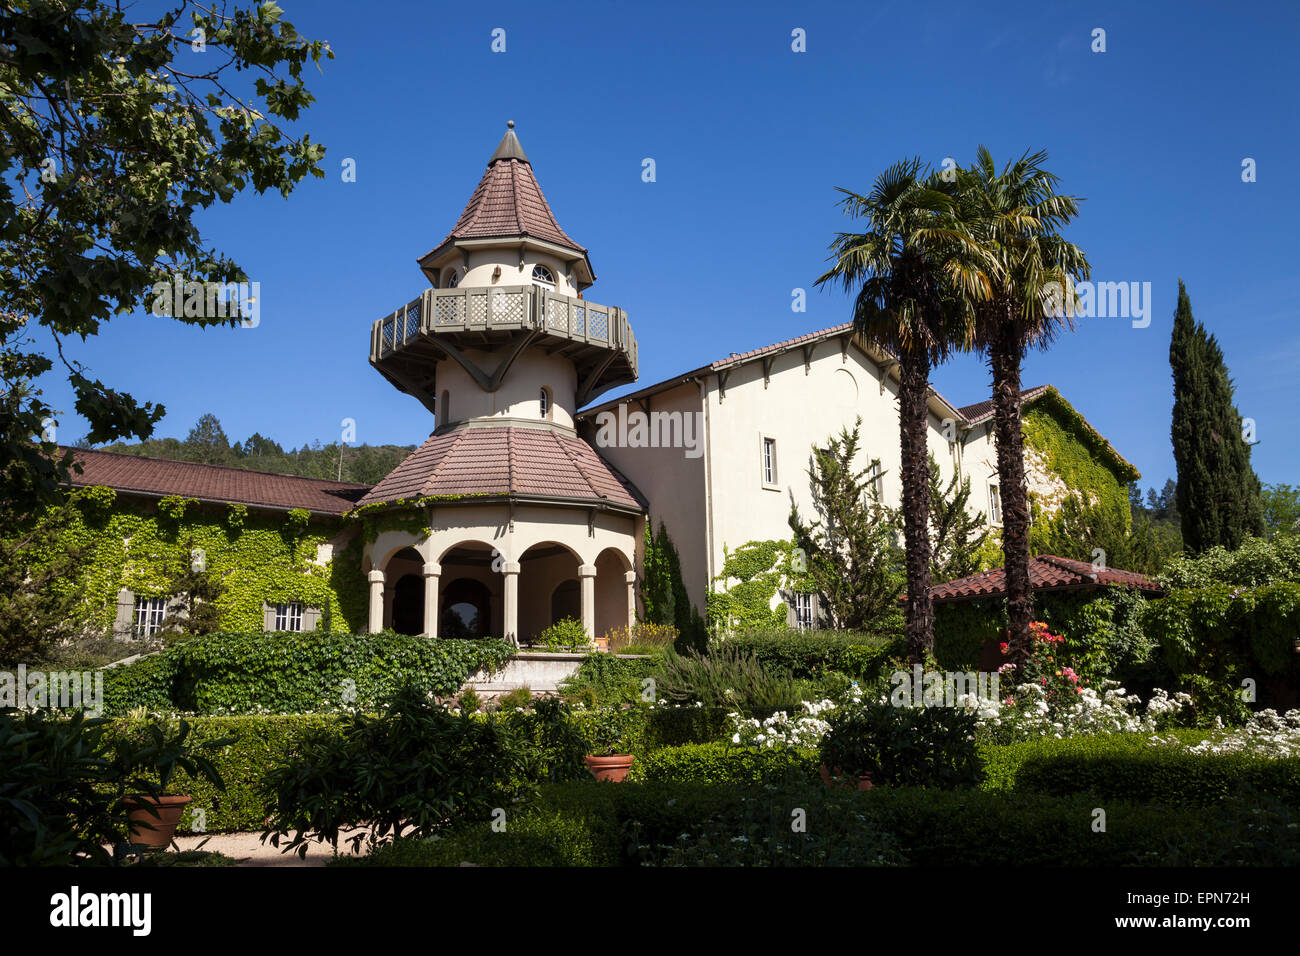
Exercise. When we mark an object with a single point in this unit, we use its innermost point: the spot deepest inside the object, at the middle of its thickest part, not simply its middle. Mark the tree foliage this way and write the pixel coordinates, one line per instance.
(1218, 496)
(957, 535)
(115, 134)
(850, 548)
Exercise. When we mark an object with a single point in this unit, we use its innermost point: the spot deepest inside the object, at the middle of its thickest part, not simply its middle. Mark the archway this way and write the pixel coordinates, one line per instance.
(408, 605)
(614, 600)
(404, 592)
(544, 569)
(566, 600)
(466, 609)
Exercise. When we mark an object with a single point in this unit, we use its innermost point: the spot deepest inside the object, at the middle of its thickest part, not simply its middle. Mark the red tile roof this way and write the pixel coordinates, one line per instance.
(1047, 572)
(741, 357)
(506, 460)
(981, 410)
(157, 477)
(507, 203)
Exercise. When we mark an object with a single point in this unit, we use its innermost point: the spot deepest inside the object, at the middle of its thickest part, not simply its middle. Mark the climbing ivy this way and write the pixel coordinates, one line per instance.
(259, 557)
(759, 569)
(1087, 465)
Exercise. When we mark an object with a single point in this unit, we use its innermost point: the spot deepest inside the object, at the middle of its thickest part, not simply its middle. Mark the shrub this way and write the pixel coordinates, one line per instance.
(605, 679)
(642, 636)
(1256, 563)
(519, 697)
(250, 746)
(565, 633)
(657, 823)
(904, 746)
(239, 673)
(417, 766)
(62, 782)
(1130, 768)
(813, 654)
(725, 677)
(716, 763)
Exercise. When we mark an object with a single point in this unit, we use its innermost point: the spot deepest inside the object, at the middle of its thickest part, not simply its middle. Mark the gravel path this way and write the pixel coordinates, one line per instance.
(249, 850)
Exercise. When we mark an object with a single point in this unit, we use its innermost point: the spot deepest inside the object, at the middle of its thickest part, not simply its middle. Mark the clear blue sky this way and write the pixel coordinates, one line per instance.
(750, 139)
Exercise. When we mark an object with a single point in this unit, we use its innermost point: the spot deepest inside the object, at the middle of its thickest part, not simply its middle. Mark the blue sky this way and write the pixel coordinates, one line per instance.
(750, 140)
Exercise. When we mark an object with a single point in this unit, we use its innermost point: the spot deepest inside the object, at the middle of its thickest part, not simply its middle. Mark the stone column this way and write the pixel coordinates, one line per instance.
(630, 578)
(376, 623)
(587, 575)
(510, 602)
(432, 571)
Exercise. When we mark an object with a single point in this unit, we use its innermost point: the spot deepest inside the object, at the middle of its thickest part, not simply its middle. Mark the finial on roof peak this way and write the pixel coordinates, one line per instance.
(509, 147)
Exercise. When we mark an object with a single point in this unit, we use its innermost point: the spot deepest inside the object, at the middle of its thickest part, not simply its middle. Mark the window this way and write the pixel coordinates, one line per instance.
(449, 279)
(876, 475)
(769, 461)
(149, 614)
(995, 505)
(544, 400)
(543, 277)
(288, 617)
(803, 611)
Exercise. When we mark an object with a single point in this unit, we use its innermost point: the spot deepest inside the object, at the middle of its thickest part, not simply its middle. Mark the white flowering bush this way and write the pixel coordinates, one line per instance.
(1267, 734)
(782, 730)
(1028, 713)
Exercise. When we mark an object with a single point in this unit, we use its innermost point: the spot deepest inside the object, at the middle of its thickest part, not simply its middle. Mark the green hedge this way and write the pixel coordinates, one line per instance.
(668, 823)
(809, 655)
(1123, 767)
(722, 763)
(239, 673)
(260, 743)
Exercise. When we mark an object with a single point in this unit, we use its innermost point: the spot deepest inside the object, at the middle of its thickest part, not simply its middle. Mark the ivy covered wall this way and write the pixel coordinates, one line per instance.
(260, 557)
(759, 569)
(1072, 451)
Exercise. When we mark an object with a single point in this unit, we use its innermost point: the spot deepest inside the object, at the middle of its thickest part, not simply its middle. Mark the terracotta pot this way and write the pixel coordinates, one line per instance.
(163, 824)
(613, 769)
(837, 779)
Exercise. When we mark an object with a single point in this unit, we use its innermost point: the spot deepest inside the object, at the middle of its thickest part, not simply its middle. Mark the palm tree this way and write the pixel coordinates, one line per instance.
(908, 270)
(1015, 217)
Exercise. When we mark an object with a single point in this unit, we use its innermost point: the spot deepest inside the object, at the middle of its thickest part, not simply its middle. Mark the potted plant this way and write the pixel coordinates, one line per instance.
(145, 766)
(849, 752)
(610, 740)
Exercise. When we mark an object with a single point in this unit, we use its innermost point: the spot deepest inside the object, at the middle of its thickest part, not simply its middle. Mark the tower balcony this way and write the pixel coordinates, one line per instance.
(450, 323)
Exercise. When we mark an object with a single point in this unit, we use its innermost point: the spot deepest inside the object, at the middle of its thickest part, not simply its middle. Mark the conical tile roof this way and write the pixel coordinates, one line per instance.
(508, 202)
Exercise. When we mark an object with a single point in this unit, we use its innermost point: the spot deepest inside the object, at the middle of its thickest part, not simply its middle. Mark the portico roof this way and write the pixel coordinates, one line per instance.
(523, 463)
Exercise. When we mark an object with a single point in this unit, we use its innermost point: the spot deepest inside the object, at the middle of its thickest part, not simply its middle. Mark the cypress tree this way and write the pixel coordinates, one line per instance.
(1218, 493)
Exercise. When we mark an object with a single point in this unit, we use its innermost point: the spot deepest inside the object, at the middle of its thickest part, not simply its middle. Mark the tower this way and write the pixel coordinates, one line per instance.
(524, 523)
(504, 332)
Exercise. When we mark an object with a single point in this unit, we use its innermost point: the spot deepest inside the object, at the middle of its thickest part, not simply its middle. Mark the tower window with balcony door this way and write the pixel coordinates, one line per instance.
(544, 277)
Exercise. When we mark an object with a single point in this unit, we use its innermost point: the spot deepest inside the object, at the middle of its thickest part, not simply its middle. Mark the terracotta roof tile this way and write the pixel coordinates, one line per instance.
(221, 483)
(508, 202)
(1047, 572)
(981, 410)
(506, 460)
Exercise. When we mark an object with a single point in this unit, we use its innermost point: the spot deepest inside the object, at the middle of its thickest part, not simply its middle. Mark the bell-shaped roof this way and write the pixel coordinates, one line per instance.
(508, 203)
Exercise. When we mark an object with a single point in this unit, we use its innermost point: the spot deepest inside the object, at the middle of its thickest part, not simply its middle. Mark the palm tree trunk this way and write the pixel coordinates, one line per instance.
(913, 414)
(1005, 354)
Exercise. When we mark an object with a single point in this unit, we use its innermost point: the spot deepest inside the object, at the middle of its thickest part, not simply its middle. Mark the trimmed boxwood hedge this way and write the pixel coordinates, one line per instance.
(620, 824)
(259, 743)
(285, 673)
(1127, 768)
(719, 763)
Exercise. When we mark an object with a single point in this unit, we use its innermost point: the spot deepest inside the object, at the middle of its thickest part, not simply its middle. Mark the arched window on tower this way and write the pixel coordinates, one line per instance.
(543, 277)
(544, 401)
(449, 279)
